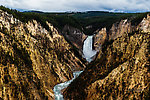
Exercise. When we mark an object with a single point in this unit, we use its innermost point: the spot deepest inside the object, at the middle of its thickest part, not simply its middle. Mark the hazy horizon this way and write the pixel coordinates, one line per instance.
(78, 5)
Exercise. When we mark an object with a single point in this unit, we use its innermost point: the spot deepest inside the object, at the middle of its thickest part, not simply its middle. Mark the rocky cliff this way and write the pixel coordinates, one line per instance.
(117, 30)
(99, 38)
(33, 59)
(145, 24)
(121, 69)
(75, 36)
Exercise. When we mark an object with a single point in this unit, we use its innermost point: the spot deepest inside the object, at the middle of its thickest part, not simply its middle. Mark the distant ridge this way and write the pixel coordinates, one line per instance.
(34, 11)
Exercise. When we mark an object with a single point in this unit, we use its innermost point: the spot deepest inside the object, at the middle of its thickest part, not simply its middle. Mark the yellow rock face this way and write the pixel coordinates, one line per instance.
(129, 79)
(145, 24)
(32, 59)
(100, 38)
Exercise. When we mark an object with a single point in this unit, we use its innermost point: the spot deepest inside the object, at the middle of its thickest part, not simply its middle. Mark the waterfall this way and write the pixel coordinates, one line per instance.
(88, 51)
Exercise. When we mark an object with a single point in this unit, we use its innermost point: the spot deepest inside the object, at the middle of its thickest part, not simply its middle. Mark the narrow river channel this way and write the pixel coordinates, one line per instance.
(57, 89)
(88, 53)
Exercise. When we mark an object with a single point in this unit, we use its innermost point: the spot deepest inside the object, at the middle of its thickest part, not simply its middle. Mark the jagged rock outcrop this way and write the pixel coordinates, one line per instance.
(145, 24)
(99, 38)
(33, 59)
(120, 71)
(117, 30)
(75, 36)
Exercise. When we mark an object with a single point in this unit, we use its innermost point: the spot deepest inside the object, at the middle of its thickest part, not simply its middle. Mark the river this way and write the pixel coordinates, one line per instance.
(57, 89)
(88, 53)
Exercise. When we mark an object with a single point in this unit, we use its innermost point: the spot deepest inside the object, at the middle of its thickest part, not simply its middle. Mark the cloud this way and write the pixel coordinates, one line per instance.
(79, 5)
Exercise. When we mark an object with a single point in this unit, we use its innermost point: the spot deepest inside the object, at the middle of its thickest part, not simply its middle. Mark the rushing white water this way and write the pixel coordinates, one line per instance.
(88, 50)
(88, 54)
(57, 89)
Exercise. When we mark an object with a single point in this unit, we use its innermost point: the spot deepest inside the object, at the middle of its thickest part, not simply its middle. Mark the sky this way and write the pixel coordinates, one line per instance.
(79, 5)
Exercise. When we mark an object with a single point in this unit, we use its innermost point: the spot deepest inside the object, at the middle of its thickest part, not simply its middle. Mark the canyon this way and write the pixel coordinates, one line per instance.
(37, 62)
(121, 69)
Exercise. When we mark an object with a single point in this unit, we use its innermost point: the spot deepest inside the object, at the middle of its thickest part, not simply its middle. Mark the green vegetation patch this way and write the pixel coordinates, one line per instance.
(88, 22)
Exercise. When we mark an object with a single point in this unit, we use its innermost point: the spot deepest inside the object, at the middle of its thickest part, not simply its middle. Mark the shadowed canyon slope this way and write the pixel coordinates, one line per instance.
(33, 59)
(121, 69)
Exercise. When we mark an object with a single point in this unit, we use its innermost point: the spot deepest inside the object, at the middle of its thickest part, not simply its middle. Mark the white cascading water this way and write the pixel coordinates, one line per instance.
(57, 88)
(88, 51)
(88, 54)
